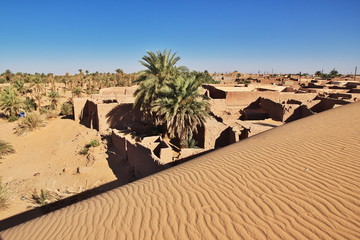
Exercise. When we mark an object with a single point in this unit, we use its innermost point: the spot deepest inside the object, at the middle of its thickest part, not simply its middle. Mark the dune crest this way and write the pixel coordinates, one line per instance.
(298, 181)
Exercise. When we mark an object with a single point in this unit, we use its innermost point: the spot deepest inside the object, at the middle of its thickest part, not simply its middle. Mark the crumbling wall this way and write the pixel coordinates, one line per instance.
(141, 160)
(147, 157)
(118, 90)
(274, 109)
(119, 142)
(301, 97)
(79, 104)
(245, 98)
(298, 113)
(89, 115)
(217, 134)
(326, 104)
(103, 110)
(165, 153)
(188, 152)
(124, 116)
(214, 92)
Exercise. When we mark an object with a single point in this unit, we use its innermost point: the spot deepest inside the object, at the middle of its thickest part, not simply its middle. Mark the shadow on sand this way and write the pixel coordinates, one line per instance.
(121, 169)
(37, 212)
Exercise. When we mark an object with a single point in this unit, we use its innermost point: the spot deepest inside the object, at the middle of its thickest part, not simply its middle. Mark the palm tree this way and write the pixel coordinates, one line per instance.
(318, 73)
(81, 77)
(54, 99)
(77, 91)
(38, 90)
(19, 84)
(8, 75)
(160, 69)
(181, 108)
(10, 101)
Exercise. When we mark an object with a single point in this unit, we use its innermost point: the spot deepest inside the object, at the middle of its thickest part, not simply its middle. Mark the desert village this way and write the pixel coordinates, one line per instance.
(241, 106)
(238, 112)
(176, 120)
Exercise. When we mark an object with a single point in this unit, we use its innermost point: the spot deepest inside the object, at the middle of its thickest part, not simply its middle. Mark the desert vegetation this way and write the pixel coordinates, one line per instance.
(31, 122)
(24, 92)
(168, 95)
(4, 195)
(92, 144)
(333, 73)
(6, 148)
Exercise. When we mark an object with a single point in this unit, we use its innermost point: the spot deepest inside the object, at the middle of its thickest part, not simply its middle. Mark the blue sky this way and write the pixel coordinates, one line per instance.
(61, 36)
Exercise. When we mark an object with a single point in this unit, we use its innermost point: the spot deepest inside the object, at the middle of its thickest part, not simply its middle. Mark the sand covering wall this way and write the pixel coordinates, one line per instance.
(298, 181)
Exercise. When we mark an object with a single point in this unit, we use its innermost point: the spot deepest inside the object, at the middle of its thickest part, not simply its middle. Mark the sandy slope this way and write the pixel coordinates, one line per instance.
(41, 158)
(298, 181)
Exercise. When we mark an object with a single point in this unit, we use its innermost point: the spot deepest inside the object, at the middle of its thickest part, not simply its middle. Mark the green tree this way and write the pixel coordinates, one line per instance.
(38, 89)
(54, 99)
(10, 102)
(333, 73)
(77, 91)
(203, 77)
(19, 84)
(181, 108)
(160, 69)
(8, 75)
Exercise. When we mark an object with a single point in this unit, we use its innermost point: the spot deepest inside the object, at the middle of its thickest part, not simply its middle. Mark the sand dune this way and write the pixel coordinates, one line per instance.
(298, 181)
(47, 152)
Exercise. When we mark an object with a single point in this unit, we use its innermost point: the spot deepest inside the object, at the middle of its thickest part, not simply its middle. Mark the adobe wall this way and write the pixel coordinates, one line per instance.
(217, 105)
(214, 92)
(188, 152)
(103, 110)
(326, 104)
(216, 134)
(275, 110)
(166, 155)
(79, 104)
(118, 90)
(355, 96)
(245, 98)
(119, 142)
(124, 116)
(147, 157)
(144, 162)
(89, 115)
(302, 97)
(298, 113)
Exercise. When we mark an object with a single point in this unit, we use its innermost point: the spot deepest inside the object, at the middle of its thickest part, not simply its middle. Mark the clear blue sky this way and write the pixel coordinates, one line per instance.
(61, 36)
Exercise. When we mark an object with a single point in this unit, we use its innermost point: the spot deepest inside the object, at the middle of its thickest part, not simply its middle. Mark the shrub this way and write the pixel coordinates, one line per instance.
(29, 104)
(84, 151)
(12, 118)
(190, 143)
(67, 109)
(10, 101)
(77, 91)
(94, 143)
(5, 148)
(54, 99)
(30, 123)
(52, 114)
(4, 195)
(42, 199)
(45, 110)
